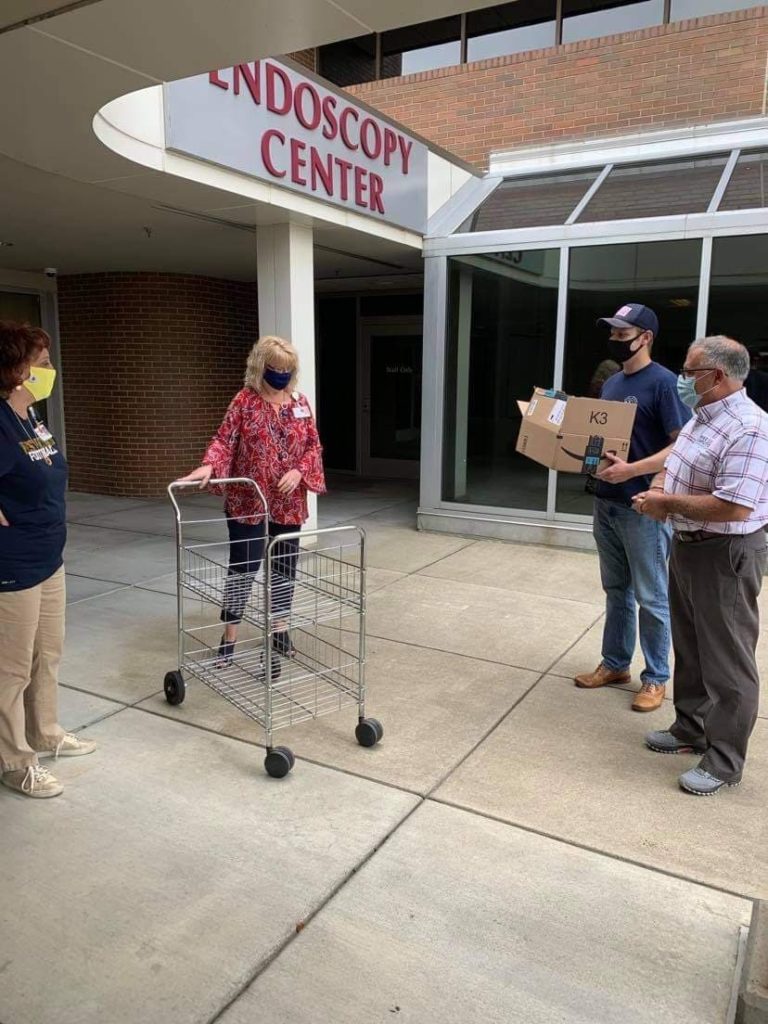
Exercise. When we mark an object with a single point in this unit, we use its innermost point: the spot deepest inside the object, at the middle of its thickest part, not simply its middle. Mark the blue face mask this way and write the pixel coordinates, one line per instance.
(278, 381)
(686, 390)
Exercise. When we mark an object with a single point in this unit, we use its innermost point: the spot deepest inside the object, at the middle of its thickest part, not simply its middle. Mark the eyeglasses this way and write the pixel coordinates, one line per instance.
(689, 372)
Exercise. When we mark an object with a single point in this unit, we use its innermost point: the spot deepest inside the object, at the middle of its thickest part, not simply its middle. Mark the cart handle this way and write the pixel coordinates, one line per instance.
(178, 485)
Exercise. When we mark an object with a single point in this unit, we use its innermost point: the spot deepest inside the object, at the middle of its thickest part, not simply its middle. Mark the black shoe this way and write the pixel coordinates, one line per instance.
(226, 652)
(276, 668)
(281, 642)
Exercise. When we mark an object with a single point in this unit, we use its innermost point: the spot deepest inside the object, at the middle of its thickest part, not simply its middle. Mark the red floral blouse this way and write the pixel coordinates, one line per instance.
(260, 441)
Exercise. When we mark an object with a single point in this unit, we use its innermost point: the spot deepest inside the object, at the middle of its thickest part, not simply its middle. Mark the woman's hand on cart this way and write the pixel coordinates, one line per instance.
(288, 483)
(202, 474)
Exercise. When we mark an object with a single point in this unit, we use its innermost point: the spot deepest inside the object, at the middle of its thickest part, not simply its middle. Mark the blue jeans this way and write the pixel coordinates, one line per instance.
(633, 553)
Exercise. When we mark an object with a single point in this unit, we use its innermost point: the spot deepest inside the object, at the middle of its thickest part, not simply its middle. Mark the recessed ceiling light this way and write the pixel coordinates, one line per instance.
(680, 303)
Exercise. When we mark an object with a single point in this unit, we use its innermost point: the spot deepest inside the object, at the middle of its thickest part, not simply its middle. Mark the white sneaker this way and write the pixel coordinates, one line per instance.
(70, 746)
(35, 781)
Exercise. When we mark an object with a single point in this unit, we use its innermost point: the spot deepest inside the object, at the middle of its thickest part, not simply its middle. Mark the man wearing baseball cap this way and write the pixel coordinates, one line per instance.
(634, 549)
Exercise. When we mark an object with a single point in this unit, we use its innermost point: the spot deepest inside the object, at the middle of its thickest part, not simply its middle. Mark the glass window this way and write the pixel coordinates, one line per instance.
(24, 307)
(590, 19)
(423, 47)
(511, 28)
(427, 58)
(528, 202)
(662, 275)
(502, 322)
(682, 9)
(737, 302)
(748, 187)
(350, 62)
(656, 189)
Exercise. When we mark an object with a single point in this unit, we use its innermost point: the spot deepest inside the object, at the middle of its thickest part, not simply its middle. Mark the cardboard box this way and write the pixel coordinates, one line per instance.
(573, 434)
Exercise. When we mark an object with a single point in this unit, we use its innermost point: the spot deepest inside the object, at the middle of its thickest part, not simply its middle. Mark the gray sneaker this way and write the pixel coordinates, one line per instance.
(663, 742)
(699, 782)
(34, 781)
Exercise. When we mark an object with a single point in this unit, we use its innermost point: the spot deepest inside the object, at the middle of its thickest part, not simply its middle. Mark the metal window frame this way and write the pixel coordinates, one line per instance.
(699, 225)
(641, 147)
(435, 351)
(462, 204)
(725, 177)
(441, 244)
(705, 273)
(586, 199)
(464, 39)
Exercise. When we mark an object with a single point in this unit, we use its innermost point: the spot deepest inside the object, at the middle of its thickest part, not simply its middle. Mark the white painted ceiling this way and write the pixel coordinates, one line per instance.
(69, 202)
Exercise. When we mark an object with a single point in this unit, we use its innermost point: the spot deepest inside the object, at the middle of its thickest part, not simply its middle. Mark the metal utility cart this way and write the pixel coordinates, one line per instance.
(300, 651)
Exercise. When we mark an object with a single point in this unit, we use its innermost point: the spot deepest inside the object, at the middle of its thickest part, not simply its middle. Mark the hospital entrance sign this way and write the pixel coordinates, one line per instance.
(266, 120)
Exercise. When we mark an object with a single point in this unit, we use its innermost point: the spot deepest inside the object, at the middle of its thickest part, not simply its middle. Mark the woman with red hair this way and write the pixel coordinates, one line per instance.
(33, 481)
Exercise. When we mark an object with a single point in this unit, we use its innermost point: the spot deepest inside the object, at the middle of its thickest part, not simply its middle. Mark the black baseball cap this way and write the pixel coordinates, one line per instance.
(633, 314)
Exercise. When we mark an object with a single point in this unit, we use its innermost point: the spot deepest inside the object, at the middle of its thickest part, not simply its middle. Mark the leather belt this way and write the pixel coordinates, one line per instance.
(689, 536)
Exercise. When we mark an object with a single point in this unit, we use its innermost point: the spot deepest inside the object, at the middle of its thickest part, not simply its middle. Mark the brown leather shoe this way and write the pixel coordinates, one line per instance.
(602, 676)
(650, 697)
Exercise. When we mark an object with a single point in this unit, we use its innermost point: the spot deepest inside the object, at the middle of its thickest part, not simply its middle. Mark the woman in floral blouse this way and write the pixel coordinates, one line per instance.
(268, 435)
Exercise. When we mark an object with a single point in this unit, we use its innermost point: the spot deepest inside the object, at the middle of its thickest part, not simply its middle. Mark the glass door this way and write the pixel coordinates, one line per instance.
(502, 325)
(390, 422)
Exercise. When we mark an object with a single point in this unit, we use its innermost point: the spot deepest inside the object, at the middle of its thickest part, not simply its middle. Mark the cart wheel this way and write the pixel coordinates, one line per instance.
(278, 762)
(289, 754)
(368, 732)
(175, 687)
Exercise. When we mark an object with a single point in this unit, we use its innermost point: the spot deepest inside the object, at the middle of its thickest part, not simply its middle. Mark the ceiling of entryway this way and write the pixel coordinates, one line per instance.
(69, 202)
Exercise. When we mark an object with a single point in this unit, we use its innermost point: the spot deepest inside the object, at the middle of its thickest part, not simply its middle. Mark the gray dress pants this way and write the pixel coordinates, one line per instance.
(713, 589)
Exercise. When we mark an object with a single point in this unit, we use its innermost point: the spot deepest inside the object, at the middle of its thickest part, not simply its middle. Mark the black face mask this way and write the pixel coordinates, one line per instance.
(621, 351)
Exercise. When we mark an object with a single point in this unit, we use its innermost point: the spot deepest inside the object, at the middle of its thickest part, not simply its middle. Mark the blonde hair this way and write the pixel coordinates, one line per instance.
(275, 352)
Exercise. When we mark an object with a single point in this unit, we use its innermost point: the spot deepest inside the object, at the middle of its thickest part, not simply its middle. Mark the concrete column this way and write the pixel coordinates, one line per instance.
(286, 288)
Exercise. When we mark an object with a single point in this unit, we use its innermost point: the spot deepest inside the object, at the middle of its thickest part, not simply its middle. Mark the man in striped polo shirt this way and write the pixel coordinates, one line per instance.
(714, 492)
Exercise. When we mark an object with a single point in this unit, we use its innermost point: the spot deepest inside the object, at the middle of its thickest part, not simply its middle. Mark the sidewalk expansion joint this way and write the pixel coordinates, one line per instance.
(301, 926)
(471, 657)
(575, 844)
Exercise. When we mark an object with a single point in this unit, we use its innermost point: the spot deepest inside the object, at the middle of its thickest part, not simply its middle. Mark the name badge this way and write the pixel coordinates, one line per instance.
(300, 412)
(43, 432)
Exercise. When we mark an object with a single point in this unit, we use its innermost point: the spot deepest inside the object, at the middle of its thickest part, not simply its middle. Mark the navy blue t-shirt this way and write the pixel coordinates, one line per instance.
(659, 414)
(33, 482)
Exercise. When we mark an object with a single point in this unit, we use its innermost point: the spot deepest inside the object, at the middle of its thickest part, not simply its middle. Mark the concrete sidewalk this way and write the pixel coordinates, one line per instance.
(509, 852)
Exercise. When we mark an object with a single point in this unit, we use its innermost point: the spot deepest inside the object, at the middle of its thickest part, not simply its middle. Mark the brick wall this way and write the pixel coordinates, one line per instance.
(150, 362)
(307, 58)
(709, 69)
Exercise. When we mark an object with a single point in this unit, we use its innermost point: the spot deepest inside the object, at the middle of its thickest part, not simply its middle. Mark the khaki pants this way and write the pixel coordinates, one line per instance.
(31, 640)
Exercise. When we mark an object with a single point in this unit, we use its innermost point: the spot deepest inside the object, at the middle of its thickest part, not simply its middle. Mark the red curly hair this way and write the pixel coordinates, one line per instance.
(20, 344)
